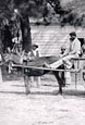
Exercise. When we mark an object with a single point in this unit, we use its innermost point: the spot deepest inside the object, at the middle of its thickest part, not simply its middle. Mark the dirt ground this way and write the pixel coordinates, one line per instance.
(42, 106)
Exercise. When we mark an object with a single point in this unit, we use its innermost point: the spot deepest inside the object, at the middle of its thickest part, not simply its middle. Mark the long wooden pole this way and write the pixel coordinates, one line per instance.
(44, 68)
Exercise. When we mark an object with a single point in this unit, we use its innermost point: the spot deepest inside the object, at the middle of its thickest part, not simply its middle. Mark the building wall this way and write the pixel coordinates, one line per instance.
(51, 38)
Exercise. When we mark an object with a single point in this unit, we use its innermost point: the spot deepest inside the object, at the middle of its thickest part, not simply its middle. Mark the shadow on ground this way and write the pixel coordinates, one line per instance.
(75, 93)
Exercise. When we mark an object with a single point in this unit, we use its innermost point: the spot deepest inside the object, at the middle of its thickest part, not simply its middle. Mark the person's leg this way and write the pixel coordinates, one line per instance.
(68, 65)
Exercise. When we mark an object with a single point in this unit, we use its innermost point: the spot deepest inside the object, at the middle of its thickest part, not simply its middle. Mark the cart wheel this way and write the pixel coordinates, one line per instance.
(27, 84)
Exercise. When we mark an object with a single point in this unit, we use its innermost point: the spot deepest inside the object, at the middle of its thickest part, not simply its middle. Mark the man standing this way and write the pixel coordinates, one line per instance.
(33, 55)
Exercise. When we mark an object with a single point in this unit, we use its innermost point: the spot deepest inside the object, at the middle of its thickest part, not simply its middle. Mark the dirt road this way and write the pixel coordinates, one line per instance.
(42, 106)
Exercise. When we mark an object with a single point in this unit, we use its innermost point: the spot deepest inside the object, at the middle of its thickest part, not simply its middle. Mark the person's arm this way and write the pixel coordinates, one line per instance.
(66, 52)
(31, 55)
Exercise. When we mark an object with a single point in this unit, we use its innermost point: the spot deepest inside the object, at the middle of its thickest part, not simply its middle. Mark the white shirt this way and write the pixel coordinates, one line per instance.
(73, 47)
(33, 54)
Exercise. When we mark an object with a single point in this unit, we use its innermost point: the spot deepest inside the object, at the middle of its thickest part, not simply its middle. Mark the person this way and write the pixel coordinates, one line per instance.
(32, 55)
(73, 50)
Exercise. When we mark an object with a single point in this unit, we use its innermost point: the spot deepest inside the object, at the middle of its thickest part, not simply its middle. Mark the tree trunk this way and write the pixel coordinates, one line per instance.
(26, 33)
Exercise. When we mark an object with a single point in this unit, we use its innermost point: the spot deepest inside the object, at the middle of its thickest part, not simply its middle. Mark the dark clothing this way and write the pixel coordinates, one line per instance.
(6, 38)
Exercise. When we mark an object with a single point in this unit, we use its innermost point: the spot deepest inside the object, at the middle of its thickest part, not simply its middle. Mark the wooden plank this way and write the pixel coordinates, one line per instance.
(44, 68)
(79, 59)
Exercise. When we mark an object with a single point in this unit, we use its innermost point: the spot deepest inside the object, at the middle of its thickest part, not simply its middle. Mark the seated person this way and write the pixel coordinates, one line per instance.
(34, 53)
(73, 50)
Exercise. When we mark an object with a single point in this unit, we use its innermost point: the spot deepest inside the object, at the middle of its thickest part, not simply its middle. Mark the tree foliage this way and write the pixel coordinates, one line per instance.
(38, 8)
(31, 7)
(7, 8)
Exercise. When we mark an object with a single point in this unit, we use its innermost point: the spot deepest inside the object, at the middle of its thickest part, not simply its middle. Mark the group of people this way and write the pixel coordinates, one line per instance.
(72, 48)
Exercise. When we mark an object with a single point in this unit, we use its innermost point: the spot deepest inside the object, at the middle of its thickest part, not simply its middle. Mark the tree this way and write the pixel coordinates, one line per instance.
(7, 8)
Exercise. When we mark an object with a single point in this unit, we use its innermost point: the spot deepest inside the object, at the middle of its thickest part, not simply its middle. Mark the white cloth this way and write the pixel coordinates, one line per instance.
(33, 54)
(75, 46)
(15, 40)
(73, 50)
